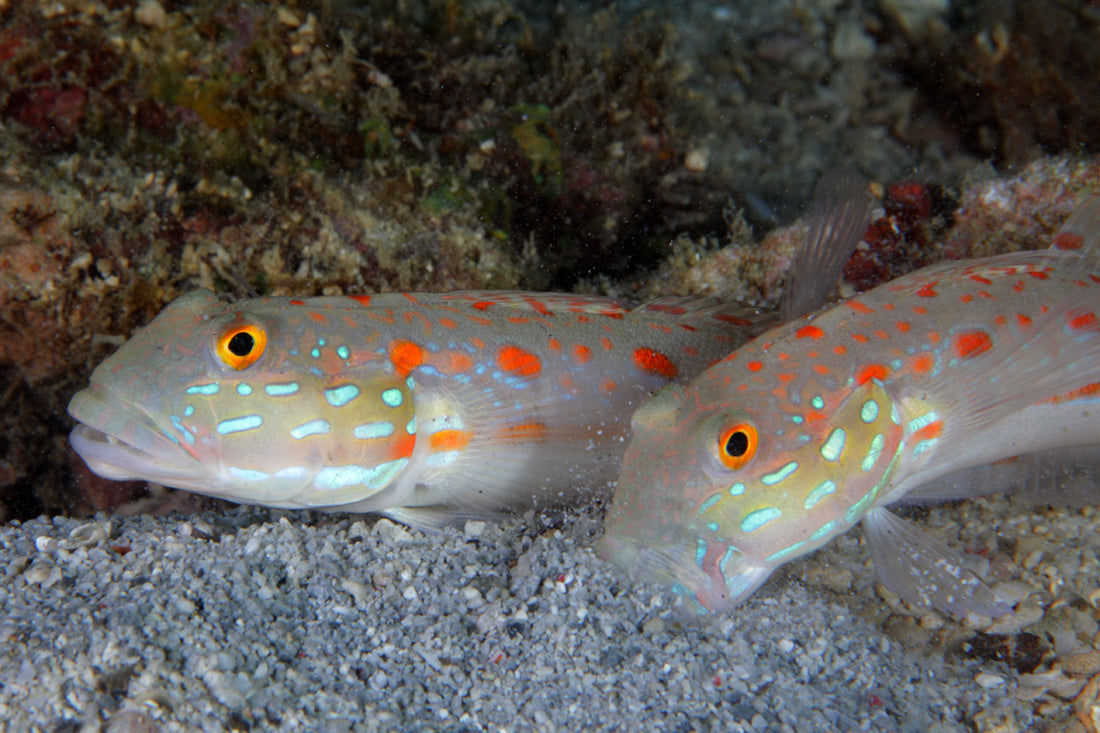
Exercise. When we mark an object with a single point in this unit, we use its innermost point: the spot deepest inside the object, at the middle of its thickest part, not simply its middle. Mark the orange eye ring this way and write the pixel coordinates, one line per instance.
(737, 445)
(241, 345)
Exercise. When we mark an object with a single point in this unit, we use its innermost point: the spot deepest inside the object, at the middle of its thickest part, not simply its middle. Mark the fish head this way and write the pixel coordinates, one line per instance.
(249, 402)
(723, 482)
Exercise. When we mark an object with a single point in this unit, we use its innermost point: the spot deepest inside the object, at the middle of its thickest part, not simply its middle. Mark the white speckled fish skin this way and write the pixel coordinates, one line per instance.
(823, 422)
(473, 401)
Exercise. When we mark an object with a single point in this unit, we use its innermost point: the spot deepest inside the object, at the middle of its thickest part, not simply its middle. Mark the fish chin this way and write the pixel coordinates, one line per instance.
(121, 443)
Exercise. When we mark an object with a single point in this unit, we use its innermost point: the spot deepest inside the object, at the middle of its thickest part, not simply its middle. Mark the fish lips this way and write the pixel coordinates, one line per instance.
(123, 443)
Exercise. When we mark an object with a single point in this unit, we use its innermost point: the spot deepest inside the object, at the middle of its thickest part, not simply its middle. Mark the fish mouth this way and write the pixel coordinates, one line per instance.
(123, 443)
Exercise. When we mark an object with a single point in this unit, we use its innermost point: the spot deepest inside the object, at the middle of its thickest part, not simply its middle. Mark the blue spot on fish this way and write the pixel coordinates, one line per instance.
(736, 489)
(313, 427)
(773, 478)
(874, 453)
(189, 411)
(818, 493)
(343, 352)
(248, 474)
(282, 390)
(818, 403)
(239, 424)
(203, 389)
(834, 445)
(373, 430)
(332, 478)
(709, 502)
(393, 397)
(869, 412)
(244, 389)
(700, 551)
(755, 520)
(785, 552)
(340, 396)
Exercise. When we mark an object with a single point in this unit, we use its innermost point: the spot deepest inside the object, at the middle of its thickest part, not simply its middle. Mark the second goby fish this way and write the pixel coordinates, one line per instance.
(822, 423)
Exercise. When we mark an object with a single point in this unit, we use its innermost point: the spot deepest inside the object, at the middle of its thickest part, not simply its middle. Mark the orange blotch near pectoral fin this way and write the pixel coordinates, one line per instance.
(402, 447)
(447, 440)
(405, 356)
(654, 362)
(929, 432)
(872, 371)
(518, 361)
(972, 343)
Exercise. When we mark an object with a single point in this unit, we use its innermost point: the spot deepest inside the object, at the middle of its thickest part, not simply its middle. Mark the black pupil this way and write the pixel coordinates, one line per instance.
(737, 444)
(241, 344)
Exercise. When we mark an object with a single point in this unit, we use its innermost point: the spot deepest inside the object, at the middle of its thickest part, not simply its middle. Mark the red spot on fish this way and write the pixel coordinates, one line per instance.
(902, 326)
(1018, 286)
(871, 371)
(479, 321)
(1038, 274)
(583, 319)
(810, 332)
(966, 298)
(754, 366)
(933, 337)
(860, 338)
(582, 353)
(920, 310)
(609, 385)
(447, 323)
(923, 364)
(299, 302)
(483, 305)
(821, 368)
(405, 356)
(783, 356)
(447, 440)
(518, 319)
(879, 333)
(1068, 240)
(317, 317)
(928, 290)
(689, 327)
(554, 344)
(477, 343)
(786, 377)
(1000, 321)
(411, 298)
(363, 300)
(840, 349)
(972, 343)
(859, 307)
(655, 362)
(518, 361)
(1082, 321)
(1087, 391)
(980, 279)
(606, 343)
(451, 362)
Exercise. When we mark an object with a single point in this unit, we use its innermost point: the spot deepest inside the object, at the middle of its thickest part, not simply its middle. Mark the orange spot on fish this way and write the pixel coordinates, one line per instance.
(809, 332)
(859, 307)
(1081, 392)
(1082, 321)
(655, 362)
(966, 298)
(933, 337)
(928, 291)
(405, 356)
(923, 364)
(451, 362)
(518, 361)
(783, 356)
(871, 371)
(735, 320)
(446, 440)
(518, 319)
(972, 343)
(1000, 321)
(402, 447)
(840, 349)
(363, 300)
(1068, 240)
(929, 431)
(902, 326)
(483, 305)
(754, 366)
(479, 321)
(860, 338)
(920, 310)
(1038, 274)
(411, 298)
(582, 353)
(477, 343)
(302, 302)
(1018, 286)
(879, 333)
(785, 377)
(821, 368)
(980, 279)
(609, 385)
(317, 317)
(605, 342)
(447, 323)
(554, 344)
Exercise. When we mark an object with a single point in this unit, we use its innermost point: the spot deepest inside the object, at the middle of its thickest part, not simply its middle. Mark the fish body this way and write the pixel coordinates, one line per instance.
(470, 401)
(823, 422)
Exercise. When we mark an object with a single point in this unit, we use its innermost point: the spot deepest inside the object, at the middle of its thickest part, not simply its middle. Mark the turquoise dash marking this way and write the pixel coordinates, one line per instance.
(818, 493)
(730, 552)
(895, 416)
(393, 397)
(343, 352)
(920, 421)
(313, 427)
(410, 426)
(860, 508)
(189, 411)
(833, 447)
(373, 430)
(315, 353)
(244, 389)
(874, 453)
(869, 412)
(817, 402)
(332, 478)
(755, 520)
(700, 551)
(737, 489)
(924, 445)
(771, 479)
(785, 553)
(320, 342)
(282, 390)
(823, 531)
(239, 424)
(203, 389)
(712, 526)
(340, 396)
(797, 419)
(248, 474)
(410, 382)
(709, 502)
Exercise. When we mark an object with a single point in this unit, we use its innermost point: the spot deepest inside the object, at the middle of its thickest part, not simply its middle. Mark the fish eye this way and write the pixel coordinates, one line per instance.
(737, 445)
(240, 346)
